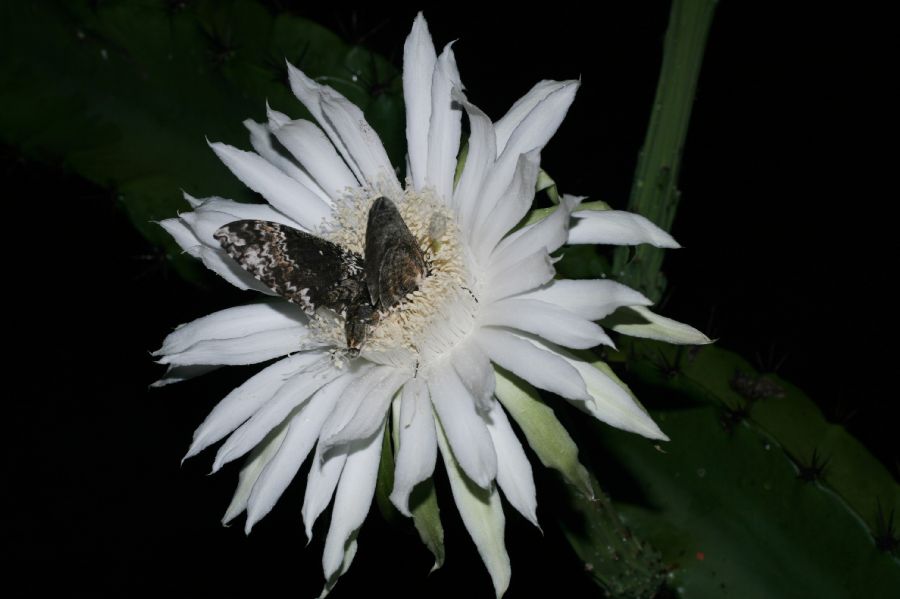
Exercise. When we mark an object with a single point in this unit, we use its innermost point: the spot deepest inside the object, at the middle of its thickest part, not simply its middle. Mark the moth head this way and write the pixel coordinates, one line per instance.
(359, 318)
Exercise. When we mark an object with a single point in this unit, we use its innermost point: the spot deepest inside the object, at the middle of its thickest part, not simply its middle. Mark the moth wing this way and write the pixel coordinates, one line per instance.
(302, 268)
(394, 262)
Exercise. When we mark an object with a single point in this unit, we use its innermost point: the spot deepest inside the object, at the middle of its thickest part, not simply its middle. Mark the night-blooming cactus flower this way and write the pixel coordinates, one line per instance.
(430, 362)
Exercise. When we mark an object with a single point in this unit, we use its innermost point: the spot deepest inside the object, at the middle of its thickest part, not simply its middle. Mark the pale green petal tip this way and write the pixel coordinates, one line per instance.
(661, 328)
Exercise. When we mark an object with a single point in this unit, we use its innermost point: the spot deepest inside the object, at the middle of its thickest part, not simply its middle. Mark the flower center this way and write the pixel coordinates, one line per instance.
(436, 317)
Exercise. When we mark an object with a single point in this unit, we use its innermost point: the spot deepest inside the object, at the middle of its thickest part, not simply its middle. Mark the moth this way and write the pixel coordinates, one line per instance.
(315, 273)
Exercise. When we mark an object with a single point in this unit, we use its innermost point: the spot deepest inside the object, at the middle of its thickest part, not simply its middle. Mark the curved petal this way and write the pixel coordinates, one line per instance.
(302, 431)
(549, 233)
(261, 455)
(617, 227)
(465, 429)
(417, 453)
(445, 126)
(591, 299)
(662, 329)
(482, 515)
(311, 147)
(231, 323)
(351, 501)
(529, 272)
(545, 320)
(246, 399)
(324, 474)
(249, 349)
(505, 126)
(182, 235)
(419, 59)
(293, 393)
(348, 130)
(261, 141)
(370, 410)
(513, 205)
(475, 370)
(237, 211)
(541, 368)
(479, 158)
(176, 374)
(283, 192)
(513, 468)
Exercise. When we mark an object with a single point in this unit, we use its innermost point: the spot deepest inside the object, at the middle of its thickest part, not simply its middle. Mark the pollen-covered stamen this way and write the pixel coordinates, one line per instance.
(433, 318)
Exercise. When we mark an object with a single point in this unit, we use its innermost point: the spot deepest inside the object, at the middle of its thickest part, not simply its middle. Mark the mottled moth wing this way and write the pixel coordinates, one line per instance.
(394, 262)
(302, 268)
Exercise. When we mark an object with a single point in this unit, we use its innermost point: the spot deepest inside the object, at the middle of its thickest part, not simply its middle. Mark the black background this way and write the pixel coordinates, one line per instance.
(785, 220)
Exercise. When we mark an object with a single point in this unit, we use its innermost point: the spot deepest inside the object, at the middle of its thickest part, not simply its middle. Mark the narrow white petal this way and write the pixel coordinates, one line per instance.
(662, 329)
(311, 147)
(514, 116)
(261, 141)
(261, 455)
(324, 474)
(220, 263)
(303, 430)
(231, 323)
(546, 320)
(617, 227)
(510, 209)
(283, 192)
(249, 349)
(513, 468)
(419, 59)
(482, 515)
(610, 400)
(243, 401)
(351, 501)
(528, 273)
(550, 233)
(476, 372)
(370, 411)
(417, 452)
(465, 429)
(531, 134)
(479, 159)
(445, 126)
(541, 368)
(372, 384)
(242, 211)
(176, 374)
(182, 235)
(592, 299)
(292, 394)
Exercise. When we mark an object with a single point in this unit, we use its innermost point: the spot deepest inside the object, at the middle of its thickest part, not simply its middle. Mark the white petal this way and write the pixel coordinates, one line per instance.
(482, 515)
(250, 349)
(513, 468)
(445, 126)
(320, 484)
(371, 407)
(543, 369)
(506, 125)
(242, 211)
(481, 155)
(546, 320)
(465, 429)
(231, 323)
(419, 59)
(261, 141)
(617, 227)
(592, 299)
(532, 134)
(610, 400)
(283, 192)
(182, 235)
(310, 146)
(347, 128)
(526, 274)
(417, 453)
(303, 430)
(241, 403)
(549, 234)
(476, 372)
(176, 374)
(292, 394)
(662, 329)
(220, 263)
(512, 207)
(262, 454)
(351, 501)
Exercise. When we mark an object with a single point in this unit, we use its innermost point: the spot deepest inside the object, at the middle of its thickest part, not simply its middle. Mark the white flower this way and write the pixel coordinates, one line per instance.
(490, 299)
